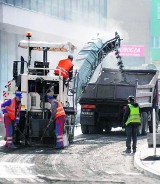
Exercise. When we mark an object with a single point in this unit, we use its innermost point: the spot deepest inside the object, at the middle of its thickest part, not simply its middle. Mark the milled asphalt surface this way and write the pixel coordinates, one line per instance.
(145, 158)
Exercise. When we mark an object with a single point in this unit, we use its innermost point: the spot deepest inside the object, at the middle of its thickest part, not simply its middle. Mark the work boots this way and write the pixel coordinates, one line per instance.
(12, 146)
(127, 151)
(134, 150)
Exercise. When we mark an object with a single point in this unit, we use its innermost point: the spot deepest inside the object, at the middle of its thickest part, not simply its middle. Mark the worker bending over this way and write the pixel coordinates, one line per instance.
(58, 117)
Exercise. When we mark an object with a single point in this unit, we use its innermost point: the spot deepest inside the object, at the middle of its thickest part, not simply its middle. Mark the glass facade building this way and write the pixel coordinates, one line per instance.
(90, 11)
(87, 12)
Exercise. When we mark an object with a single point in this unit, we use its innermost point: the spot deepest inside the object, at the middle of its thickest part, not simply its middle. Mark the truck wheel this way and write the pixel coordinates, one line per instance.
(108, 129)
(99, 130)
(145, 123)
(140, 127)
(150, 129)
(92, 129)
(139, 130)
(84, 129)
(151, 123)
(99, 127)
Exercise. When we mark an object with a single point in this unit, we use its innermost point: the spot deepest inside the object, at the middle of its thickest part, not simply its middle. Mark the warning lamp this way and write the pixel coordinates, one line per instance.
(28, 34)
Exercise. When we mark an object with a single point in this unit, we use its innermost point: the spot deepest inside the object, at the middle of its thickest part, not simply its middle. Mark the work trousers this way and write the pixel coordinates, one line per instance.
(59, 129)
(131, 132)
(9, 131)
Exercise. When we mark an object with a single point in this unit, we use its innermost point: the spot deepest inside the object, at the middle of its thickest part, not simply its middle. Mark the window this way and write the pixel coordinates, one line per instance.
(5, 1)
(34, 5)
(27, 4)
(61, 9)
(155, 42)
(48, 7)
(18, 3)
(67, 10)
(55, 7)
(10, 2)
(41, 6)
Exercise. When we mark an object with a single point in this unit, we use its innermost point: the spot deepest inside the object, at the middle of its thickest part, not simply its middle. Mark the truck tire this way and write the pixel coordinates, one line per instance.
(151, 123)
(150, 129)
(150, 119)
(99, 130)
(92, 129)
(140, 127)
(108, 129)
(84, 129)
(139, 130)
(145, 123)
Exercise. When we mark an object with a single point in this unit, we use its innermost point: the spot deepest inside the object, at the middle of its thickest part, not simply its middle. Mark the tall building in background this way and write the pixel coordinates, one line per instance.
(155, 33)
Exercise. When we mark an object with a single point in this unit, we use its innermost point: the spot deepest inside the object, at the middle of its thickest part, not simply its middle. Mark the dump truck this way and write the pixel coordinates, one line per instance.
(104, 99)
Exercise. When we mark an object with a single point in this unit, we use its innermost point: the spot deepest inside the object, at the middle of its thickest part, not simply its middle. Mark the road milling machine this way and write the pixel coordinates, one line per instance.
(37, 79)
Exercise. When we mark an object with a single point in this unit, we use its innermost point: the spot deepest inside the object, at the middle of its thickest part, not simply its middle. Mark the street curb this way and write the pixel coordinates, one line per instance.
(141, 167)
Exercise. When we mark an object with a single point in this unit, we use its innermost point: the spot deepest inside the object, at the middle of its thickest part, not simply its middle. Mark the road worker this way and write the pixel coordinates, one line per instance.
(11, 110)
(58, 117)
(65, 68)
(132, 120)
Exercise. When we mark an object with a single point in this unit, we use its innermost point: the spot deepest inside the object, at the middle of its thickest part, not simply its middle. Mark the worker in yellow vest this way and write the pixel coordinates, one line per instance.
(131, 120)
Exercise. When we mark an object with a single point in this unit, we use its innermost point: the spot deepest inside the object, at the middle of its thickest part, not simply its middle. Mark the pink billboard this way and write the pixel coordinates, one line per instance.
(131, 50)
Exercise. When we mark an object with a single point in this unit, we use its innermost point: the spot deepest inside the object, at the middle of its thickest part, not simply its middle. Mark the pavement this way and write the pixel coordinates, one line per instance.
(147, 160)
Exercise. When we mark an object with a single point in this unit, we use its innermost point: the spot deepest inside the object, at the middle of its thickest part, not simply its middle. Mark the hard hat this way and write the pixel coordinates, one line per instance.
(50, 97)
(70, 56)
(131, 98)
(19, 94)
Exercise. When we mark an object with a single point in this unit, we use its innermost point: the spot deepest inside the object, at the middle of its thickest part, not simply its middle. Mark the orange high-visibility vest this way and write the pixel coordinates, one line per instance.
(63, 68)
(11, 109)
(59, 111)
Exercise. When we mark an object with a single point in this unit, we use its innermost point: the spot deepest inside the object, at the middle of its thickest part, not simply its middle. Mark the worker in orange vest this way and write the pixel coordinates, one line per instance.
(58, 117)
(11, 110)
(65, 68)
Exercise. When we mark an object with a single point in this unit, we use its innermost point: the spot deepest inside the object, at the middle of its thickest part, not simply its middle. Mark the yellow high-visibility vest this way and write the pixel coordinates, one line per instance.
(134, 116)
